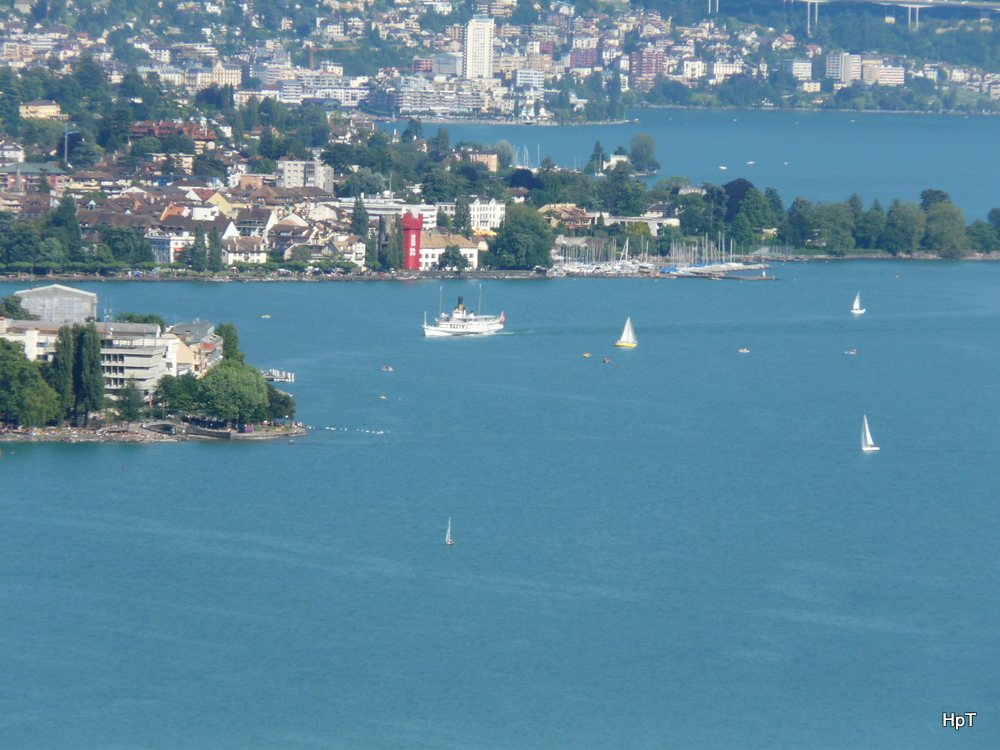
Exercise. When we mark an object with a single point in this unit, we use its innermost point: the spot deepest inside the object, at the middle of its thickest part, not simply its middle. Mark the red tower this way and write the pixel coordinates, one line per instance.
(412, 226)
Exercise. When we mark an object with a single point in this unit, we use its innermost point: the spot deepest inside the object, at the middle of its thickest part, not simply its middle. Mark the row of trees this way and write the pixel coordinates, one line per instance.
(69, 388)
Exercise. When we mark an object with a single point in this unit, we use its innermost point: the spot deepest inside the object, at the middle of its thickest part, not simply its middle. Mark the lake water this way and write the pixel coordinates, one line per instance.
(682, 548)
(821, 156)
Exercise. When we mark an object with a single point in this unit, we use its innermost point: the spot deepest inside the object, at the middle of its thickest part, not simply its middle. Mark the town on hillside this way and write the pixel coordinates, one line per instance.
(215, 138)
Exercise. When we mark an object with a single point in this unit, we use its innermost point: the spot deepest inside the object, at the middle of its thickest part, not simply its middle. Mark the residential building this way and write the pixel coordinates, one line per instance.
(129, 351)
(485, 214)
(43, 110)
(205, 344)
(843, 67)
(478, 48)
(290, 173)
(433, 245)
(799, 69)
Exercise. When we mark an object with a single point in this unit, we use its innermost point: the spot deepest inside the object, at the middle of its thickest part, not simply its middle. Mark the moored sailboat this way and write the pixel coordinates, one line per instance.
(628, 336)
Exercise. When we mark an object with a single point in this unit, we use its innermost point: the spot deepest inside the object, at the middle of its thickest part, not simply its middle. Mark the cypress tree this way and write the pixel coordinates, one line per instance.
(63, 365)
(359, 219)
(215, 263)
(88, 380)
(199, 252)
(463, 217)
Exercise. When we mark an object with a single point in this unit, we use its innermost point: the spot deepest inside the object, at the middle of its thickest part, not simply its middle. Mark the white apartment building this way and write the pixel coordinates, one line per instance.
(478, 60)
(843, 67)
(484, 214)
(891, 75)
(433, 245)
(290, 173)
(136, 351)
(800, 70)
(529, 79)
(693, 69)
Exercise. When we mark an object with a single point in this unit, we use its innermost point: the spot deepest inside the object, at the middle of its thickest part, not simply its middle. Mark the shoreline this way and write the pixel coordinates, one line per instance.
(472, 275)
(135, 434)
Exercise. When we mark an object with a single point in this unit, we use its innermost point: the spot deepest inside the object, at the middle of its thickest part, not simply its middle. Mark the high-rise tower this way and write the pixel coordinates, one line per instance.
(478, 59)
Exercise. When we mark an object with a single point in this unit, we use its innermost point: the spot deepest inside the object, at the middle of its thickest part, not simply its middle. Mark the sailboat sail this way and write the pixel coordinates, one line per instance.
(856, 308)
(628, 335)
(867, 444)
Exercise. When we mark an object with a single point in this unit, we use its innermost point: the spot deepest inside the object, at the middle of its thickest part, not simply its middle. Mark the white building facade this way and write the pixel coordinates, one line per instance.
(478, 57)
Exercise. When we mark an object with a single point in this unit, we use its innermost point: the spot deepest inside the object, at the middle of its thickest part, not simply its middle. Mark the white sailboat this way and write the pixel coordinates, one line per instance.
(867, 444)
(856, 308)
(628, 336)
(447, 535)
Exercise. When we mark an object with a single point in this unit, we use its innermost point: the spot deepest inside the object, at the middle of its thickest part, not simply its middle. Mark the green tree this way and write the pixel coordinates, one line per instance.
(932, 197)
(25, 398)
(641, 155)
(198, 252)
(88, 378)
(524, 240)
(757, 210)
(834, 227)
(359, 218)
(10, 307)
(130, 403)
(620, 193)
(800, 223)
(127, 245)
(693, 213)
(280, 405)
(776, 204)
(234, 392)
(63, 223)
(414, 129)
(438, 185)
(944, 232)
(982, 237)
(452, 258)
(741, 232)
(462, 223)
(179, 395)
(230, 341)
(904, 228)
(61, 371)
(869, 228)
(597, 159)
(441, 141)
(215, 256)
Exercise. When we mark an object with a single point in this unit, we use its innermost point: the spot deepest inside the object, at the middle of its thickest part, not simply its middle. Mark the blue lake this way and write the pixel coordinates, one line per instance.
(684, 547)
(820, 156)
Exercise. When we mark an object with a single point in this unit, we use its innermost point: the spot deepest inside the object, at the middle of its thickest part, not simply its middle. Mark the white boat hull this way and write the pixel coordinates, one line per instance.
(479, 328)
